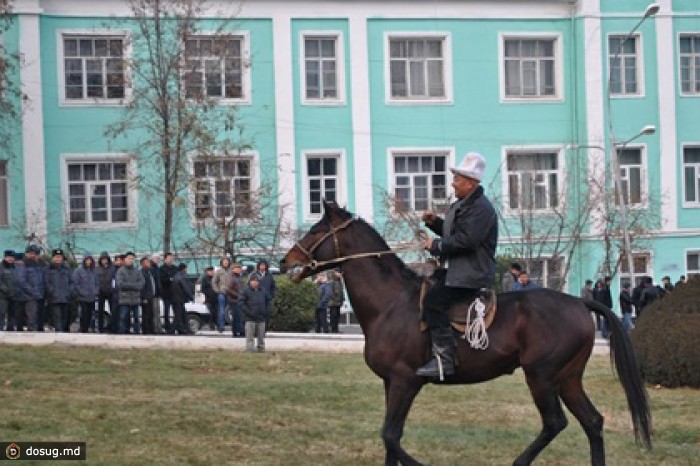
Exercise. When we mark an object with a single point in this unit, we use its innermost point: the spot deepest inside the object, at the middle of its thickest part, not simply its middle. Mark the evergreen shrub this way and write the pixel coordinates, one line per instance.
(666, 338)
(293, 309)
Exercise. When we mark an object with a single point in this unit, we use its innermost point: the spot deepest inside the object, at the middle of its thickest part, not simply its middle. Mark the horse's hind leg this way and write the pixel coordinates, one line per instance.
(399, 396)
(591, 420)
(553, 419)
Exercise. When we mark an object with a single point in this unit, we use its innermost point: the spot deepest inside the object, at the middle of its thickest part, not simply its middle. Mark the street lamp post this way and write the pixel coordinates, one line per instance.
(615, 147)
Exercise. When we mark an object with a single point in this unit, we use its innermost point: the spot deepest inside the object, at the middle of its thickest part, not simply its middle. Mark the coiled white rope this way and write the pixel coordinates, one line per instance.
(475, 330)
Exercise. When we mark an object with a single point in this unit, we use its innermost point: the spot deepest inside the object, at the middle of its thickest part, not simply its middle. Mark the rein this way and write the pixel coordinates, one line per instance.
(313, 264)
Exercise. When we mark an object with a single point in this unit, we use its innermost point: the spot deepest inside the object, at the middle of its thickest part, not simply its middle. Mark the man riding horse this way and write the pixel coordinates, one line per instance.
(467, 249)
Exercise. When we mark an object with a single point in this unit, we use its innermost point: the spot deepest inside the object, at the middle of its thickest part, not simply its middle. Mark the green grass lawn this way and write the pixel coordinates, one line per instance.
(156, 407)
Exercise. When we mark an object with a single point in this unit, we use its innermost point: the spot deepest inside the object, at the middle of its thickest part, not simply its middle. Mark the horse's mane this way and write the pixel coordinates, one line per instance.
(325, 224)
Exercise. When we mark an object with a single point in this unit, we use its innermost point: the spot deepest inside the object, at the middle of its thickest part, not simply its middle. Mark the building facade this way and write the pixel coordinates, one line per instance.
(353, 100)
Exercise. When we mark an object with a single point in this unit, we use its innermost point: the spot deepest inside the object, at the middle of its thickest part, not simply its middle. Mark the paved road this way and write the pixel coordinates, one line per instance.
(350, 341)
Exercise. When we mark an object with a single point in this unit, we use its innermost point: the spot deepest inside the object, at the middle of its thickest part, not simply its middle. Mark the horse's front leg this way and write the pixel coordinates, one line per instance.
(399, 396)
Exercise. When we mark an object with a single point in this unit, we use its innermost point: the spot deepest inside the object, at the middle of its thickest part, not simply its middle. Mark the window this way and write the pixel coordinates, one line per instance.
(4, 195)
(623, 62)
(533, 180)
(214, 67)
(223, 188)
(417, 68)
(97, 193)
(692, 264)
(640, 262)
(322, 181)
(631, 176)
(420, 181)
(322, 69)
(530, 68)
(547, 272)
(690, 63)
(93, 67)
(691, 171)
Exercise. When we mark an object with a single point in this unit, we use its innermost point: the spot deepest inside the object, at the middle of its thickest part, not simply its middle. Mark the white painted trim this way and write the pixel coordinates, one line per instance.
(394, 151)
(676, 66)
(558, 66)
(93, 102)
(644, 175)
(341, 187)
(640, 65)
(594, 100)
(559, 150)
(100, 157)
(685, 204)
(340, 67)
(361, 117)
(447, 59)
(33, 156)
(284, 126)
(668, 145)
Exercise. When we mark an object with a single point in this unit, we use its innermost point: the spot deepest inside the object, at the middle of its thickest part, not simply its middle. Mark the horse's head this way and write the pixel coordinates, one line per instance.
(318, 248)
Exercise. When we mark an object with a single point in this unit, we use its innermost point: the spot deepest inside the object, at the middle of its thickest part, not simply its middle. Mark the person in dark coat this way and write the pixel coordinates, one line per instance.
(114, 295)
(7, 290)
(25, 292)
(467, 251)
(337, 298)
(267, 281)
(182, 291)
(210, 298)
(35, 274)
(167, 273)
(524, 282)
(155, 272)
(148, 293)
(105, 271)
(603, 295)
(130, 281)
(58, 281)
(648, 295)
(254, 302)
(626, 306)
(87, 287)
(510, 278)
(325, 294)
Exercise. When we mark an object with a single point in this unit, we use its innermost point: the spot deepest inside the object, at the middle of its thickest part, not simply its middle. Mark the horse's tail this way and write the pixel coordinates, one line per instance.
(625, 362)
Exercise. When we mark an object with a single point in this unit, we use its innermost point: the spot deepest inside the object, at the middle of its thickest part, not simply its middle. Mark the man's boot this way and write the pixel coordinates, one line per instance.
(443, 360)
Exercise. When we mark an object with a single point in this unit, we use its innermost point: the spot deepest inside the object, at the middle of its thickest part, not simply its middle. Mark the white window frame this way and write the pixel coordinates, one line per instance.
(558, 66)
(446, 38)
(246, 77)
(696, 203)
(639, 70)
(643, 170)
(680, 56)
(5, 192)
(561, 181)
(132, 193)
(62, 34)
(623, 275)
(688, 272)
(447, 152)
(341, 179)
(339, 67)
(254, 158)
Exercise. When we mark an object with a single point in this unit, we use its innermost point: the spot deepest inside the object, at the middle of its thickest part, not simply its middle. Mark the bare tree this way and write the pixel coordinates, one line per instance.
(174, 111)
(10, 88)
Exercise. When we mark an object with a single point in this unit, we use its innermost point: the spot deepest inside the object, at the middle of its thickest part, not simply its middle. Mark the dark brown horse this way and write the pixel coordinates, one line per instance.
(547, 333)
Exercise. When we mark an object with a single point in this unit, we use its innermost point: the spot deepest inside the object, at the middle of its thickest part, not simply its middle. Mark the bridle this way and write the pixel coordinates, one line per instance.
(314, 264)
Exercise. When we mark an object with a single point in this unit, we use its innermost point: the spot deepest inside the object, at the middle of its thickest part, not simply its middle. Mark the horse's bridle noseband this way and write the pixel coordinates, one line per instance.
(313, 264)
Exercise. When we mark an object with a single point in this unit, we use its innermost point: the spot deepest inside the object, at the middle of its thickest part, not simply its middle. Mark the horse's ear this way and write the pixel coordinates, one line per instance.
(329, 207)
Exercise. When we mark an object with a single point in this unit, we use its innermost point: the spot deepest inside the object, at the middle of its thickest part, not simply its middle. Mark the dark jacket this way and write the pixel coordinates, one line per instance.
(105, 274)
(650, 293)
(626, 302)
(86, 282)
(167, 276)
(325, 294)
(182, 289)
(8, 280)
(267, 282)
(35, 275)
(603, 296)
(149, 285)
(129, 283)
(24, 289)
(337, 294)
(208, 289)
(527, 286)
(254, 304)
(468, 246)
(58, 281)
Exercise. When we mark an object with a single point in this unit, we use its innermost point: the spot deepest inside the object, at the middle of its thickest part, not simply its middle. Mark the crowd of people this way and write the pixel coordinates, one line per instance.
(37, 296)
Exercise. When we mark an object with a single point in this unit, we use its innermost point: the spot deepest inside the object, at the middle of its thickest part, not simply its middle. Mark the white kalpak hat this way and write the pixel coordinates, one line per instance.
(473, 166)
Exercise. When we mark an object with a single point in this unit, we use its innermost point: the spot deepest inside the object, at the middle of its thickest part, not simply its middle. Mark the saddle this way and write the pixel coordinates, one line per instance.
(458, 312)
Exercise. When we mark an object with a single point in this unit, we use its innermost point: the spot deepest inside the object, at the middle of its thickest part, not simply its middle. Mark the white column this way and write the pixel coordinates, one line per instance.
(665, 66)
(32, 120)
(594, 82)
(284, 123)
(362, 141)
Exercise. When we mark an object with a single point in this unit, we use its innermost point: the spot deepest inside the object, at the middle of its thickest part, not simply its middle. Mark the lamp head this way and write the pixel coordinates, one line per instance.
(647, 130)
(651, 10)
